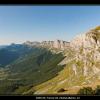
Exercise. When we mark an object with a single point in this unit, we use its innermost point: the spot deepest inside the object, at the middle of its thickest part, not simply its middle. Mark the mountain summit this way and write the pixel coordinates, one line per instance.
(91, 39)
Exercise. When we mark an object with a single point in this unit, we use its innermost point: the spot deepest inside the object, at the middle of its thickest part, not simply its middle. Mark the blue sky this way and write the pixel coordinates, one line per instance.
(37, 23)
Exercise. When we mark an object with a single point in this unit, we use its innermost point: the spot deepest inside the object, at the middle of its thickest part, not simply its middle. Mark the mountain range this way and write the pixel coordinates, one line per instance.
(51, 67)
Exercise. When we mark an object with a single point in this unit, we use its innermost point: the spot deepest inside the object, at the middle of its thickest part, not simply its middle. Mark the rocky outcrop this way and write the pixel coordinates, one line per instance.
(59, 44)
(47, 43)
(88, 40)
(87, 49)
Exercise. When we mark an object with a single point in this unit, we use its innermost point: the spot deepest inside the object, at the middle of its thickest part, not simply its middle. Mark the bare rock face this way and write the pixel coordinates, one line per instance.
(59, 44)
(87, 48)
(89, 40)
(47, 43)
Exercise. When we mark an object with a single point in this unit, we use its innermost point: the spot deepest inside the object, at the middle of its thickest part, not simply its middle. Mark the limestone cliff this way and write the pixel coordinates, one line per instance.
(91, 39)
(58, 44)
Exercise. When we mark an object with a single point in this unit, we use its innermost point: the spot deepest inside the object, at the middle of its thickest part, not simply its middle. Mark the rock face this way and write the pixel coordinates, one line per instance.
(59, 44)
(87, 48)
(89, 40)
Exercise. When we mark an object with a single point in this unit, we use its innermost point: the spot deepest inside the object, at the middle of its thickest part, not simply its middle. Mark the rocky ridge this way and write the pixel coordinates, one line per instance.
(58, 44)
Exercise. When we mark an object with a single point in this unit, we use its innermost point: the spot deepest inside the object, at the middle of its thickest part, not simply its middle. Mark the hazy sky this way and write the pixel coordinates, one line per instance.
(37, 23)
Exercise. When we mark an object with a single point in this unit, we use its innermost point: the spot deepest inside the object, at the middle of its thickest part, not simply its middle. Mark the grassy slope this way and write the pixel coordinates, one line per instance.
(67, 79)
(34, 69)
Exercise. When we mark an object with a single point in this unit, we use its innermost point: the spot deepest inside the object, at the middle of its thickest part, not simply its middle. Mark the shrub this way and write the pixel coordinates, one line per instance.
(97, 90)
(86, 91)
